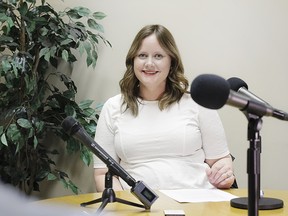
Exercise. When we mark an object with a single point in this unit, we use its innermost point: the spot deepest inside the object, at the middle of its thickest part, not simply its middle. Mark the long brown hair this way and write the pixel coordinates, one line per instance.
(176, 84)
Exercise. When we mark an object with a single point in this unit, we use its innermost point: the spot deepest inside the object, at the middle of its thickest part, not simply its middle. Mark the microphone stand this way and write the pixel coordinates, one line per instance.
(108, 196)
(138, 188)
(255, 201)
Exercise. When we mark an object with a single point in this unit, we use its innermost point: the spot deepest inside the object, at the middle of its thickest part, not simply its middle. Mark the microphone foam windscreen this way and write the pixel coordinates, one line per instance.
(210, 91)
(237, 83)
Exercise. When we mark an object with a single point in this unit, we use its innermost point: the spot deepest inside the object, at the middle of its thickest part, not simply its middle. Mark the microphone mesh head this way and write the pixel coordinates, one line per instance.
(210, 91)
(70, 125)
(236, 83)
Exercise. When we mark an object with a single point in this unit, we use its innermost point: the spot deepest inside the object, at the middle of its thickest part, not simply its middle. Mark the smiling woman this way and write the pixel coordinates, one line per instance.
(151, 65)
(159, 40)
(154, 129)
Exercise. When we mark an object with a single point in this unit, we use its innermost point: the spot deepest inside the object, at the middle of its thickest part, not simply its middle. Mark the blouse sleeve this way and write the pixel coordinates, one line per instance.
(213, 135)
(104, 135)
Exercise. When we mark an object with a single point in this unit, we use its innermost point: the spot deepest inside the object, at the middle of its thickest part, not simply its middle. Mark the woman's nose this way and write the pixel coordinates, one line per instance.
(149, 61)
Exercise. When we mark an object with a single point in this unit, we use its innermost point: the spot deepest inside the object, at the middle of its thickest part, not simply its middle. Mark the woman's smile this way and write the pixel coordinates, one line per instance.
(150, 72)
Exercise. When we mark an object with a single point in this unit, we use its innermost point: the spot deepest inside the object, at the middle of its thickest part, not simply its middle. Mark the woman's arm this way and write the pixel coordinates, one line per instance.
(220, 173)
(99, 176)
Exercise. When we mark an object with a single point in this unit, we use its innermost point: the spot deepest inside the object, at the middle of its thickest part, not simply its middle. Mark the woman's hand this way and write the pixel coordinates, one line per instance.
(220, 173)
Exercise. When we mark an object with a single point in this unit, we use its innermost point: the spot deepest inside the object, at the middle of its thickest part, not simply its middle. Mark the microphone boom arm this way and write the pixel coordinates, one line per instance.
(100, 153)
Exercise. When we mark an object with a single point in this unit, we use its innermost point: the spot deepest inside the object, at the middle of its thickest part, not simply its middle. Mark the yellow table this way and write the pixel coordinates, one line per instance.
(164, 202)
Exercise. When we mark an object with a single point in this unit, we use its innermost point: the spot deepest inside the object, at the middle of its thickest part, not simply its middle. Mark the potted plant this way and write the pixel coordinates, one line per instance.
(34, 39)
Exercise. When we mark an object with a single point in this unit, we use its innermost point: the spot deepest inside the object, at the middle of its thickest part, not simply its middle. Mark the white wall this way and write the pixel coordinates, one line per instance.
(247, 39)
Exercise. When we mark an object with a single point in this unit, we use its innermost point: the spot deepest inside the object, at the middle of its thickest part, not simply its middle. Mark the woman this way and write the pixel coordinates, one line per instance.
(154, 129)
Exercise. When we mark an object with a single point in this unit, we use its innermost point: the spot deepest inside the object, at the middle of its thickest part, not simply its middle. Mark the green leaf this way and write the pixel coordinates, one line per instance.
(72, 58)
(29, 85)
(54, 62)
(91, 128)
(35, 142)
(52, 51)
(10, 23)
(14, 134)
(44, 8)
(63, 175)
(72, 146)
(18, 147)
(73, 187)
(53, 104)
(3, 17)
(3, 139)
(70, 94)
(85, 104)
(6, 66)
(87, 46)
(82, 11)
(94, 38)
(42, 174)
(43, 51)
(43, 31)
(67, 41)
(94, 25)
(24, 123)
(51, 177)
(89, 112)
(47, 56)
(23, 8)
(39, 126)
(89, 60)
(95, 57)
(65, 55)
(81, 48)
(86, 156)
(99, 15)
(31, 133)
(73, 14)
(70, 111)
(64, 182)
(5, 38)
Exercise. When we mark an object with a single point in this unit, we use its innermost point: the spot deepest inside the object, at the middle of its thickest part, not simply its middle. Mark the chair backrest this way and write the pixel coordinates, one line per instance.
(234, 185)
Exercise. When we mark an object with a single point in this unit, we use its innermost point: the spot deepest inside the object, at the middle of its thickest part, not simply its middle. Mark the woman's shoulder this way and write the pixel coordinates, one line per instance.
(114, 99)
(186, 98)
(114, 105)
(113, 102)
(188, 101)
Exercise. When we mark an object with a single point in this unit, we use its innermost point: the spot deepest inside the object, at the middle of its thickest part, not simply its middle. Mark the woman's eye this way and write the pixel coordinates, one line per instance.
(158, 56)
(142, 56)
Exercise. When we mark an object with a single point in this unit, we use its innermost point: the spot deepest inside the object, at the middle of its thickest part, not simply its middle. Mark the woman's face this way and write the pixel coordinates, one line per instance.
(152, 64)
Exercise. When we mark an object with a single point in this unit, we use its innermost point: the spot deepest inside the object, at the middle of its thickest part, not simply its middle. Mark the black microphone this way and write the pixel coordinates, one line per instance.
(241, 87)
(238, 85)
(213, 92)
(139, 189)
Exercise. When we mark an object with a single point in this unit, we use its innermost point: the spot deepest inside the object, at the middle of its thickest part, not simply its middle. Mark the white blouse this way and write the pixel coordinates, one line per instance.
(165, 149)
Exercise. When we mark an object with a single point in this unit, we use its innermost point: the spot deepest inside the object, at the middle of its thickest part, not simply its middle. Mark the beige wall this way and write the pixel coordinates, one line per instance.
(247, 39)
